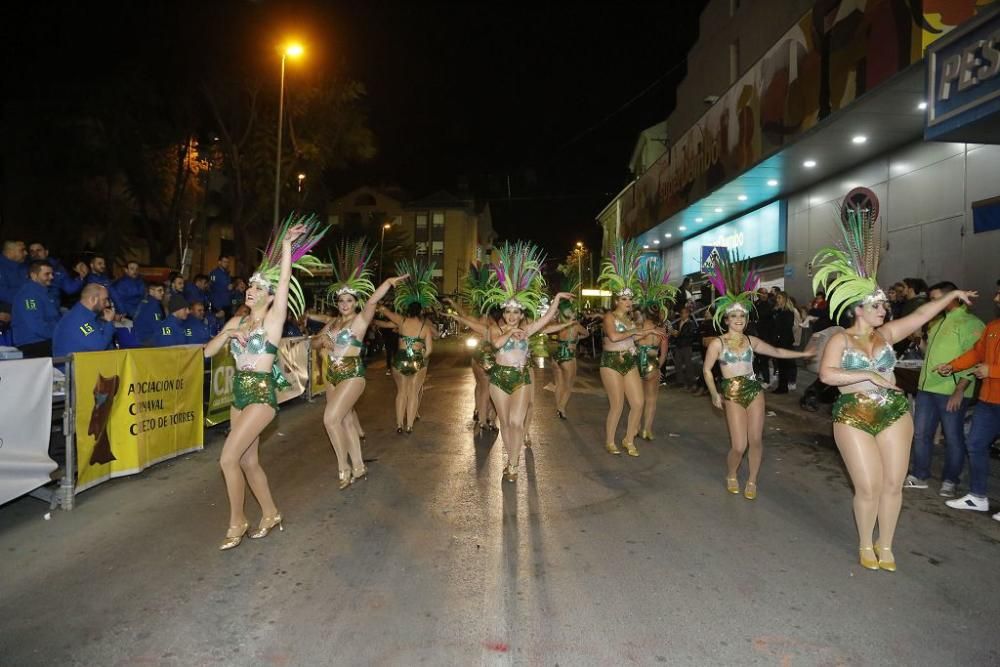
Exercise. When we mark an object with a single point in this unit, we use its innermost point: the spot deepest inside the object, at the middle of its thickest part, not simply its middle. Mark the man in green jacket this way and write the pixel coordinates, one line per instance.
(943, 400)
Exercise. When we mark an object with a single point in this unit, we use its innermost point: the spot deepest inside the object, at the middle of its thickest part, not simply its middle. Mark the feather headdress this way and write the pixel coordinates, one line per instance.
(620, 269)
(351, 274)
(268, 272)
(849, 272)
(516, 278)
(571, 285)
(735, 280)
(474, 287)
(654, 292)
(418, 287)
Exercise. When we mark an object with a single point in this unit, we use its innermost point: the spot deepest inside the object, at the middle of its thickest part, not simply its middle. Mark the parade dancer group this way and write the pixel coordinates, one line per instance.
(511, 314)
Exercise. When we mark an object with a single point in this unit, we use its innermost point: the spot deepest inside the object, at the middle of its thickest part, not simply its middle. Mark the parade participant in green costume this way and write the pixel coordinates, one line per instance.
(619, 367)
(414, 296)
(355, 298)
(742, 396)
(253, 342)
(515, 285)
(872, 424)
(564, 368)
(651, 349)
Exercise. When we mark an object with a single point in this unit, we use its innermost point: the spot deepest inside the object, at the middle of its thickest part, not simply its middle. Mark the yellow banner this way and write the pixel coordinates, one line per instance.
(320, 362)
(135, 408)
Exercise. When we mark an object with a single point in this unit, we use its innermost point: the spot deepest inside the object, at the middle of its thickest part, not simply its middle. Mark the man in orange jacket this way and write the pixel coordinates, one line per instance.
(984, 360)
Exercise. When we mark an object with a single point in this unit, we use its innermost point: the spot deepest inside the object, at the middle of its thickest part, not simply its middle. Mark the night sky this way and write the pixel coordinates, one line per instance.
(460, 95)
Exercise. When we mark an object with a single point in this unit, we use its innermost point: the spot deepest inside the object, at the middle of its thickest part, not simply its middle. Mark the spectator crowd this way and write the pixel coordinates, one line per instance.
(47, 309)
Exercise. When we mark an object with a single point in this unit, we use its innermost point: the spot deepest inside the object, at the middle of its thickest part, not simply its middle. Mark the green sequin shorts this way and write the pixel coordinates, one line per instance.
(741, 389)
(565, 353)
(344, 368)
(621, 362)
(250, 387)
(870, 412)
(408, 365)
(483, 356)
(649, 362)
(509, 378)
(541, 362)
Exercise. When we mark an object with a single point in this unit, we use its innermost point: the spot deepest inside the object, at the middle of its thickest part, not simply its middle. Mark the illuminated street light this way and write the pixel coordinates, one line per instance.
(292, 50)
(381, 249)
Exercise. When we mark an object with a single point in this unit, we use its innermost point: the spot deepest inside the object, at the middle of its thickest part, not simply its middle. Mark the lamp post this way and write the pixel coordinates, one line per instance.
(381, 251)
(292, 50)
(579, 267)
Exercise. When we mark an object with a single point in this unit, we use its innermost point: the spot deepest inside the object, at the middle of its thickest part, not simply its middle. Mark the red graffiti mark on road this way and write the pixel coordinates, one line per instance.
(499, 647)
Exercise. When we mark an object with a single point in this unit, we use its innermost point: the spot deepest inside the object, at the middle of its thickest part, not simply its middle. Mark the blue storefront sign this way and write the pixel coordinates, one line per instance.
(755, 234)
(963, 83)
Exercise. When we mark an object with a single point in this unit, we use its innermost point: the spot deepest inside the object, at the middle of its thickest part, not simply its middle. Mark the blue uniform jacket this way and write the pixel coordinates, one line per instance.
(34, 314)
(147, 320)
(171, 331)
(105, 282)
(63, 282)
(131, 291)
(192, 294)
(12, 276)
(197, 332)
(81, 330)
(219, 288)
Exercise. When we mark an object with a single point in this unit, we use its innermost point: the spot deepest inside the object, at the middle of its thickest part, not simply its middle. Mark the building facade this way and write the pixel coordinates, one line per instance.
(761, 156)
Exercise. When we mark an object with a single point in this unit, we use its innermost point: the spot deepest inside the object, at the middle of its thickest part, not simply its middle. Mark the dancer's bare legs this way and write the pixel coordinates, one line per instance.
(239, 459)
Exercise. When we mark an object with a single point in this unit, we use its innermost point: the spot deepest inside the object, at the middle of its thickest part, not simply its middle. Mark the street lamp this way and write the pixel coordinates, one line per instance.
(579, 266)
(301, 178)
(381, 250)
(292, 50)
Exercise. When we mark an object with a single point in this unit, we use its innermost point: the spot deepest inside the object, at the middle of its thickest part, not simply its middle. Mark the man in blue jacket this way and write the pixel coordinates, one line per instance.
(63, 282)
(148, 315)
(130, 289)
(13, 270)
(221, 285)
(173, 329)
(6, 335)
(35, 314)
(86, 327)
(97, 276)
(197, 326)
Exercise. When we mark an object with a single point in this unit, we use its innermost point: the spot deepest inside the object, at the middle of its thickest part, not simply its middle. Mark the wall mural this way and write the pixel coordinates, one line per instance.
(836, 52)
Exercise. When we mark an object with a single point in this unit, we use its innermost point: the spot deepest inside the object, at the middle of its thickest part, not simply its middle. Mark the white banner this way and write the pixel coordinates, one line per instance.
(25, 425)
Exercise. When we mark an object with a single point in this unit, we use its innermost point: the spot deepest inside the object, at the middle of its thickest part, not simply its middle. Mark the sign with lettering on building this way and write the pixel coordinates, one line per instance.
(963, 83)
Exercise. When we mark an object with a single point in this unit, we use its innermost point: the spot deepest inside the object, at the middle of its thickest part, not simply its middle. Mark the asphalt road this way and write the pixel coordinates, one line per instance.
(588, 559)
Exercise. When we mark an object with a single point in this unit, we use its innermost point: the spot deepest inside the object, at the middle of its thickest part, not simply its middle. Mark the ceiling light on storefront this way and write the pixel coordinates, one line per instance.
(815, 200)
(699, 219)
(859, 139)
(656, 241)
(922, 106)
(742, 197)
(668, 235)
(682, 228)
(718, 210)
(645, 247)
(773, 182)
(809, 164)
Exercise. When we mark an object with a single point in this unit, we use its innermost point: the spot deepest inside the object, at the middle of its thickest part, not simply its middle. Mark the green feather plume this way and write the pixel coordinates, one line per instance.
(350, 270)
(419, 287)
(849, 272)
(620, 269)
(515, 275)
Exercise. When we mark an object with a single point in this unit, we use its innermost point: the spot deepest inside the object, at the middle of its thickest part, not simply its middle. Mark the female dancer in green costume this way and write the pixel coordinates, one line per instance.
(564, 369)
(515, 285)
(414, 296)
(651, 348)
(619, 368)
(253, 341)
(734, 350)
(342, 339)
(871, 421)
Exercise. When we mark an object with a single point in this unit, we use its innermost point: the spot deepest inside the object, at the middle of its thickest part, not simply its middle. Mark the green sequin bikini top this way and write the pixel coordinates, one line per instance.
(741, 363)
(513, 344)
(257, 345)
(343, 339)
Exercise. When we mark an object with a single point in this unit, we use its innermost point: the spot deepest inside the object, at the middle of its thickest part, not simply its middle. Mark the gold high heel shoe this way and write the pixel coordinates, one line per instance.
(234, 536)
(733, 485)
(887, 564)
(647, 435)
(510, 473)
(267, 524)
(359, 474)
(629, 448)
(612, 448)
(345, 479)
(750, 491)
(869, 563)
